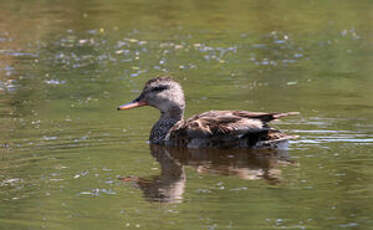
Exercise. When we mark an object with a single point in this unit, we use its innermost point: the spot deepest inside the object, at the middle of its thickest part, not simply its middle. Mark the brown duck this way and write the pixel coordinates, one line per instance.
(210, 129)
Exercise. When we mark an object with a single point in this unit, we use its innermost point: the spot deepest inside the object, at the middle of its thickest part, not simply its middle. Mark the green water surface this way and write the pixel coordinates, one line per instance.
(69, 160)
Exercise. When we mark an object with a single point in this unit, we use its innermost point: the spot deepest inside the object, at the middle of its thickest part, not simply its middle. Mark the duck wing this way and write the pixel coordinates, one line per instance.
(226, 127)
(265, 117)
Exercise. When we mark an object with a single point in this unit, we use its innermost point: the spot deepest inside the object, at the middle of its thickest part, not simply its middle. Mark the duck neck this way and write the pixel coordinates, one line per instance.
(167, 120)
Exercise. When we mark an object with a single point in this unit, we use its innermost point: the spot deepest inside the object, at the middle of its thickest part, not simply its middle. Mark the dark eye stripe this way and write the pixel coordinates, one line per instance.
(160, 88)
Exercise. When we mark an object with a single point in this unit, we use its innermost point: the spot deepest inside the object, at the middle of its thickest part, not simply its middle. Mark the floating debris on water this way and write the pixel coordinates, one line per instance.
(50, 138)
(291, 83)
(239, 189)
(98, 191)
(54, 82)
(11, 181)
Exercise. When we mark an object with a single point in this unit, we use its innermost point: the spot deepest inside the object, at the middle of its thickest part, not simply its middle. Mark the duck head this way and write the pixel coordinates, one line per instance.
(162, 93)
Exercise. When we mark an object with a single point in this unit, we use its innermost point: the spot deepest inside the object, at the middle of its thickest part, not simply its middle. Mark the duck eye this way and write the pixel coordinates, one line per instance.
(160, 88)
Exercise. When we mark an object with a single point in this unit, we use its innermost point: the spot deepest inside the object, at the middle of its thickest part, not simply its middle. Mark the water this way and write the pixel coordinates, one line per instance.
(69, 160)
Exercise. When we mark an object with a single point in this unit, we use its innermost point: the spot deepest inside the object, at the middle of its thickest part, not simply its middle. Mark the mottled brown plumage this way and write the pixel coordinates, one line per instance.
(209, 129)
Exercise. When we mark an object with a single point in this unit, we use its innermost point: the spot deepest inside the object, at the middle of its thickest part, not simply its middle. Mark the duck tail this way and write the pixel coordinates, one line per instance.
(279, 115)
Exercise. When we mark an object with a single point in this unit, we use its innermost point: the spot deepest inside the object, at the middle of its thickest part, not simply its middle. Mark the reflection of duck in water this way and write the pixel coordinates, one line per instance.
(209, 129)
(167, 187)
(247, 164)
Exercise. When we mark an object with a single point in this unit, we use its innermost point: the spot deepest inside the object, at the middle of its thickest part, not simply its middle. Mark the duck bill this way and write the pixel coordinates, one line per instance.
(131, 105)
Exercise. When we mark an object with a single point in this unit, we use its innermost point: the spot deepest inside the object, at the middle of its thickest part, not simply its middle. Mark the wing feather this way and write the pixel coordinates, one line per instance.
(224, 124)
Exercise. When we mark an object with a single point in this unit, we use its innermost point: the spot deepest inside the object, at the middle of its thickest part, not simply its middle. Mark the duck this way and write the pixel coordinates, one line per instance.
(216, 128)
